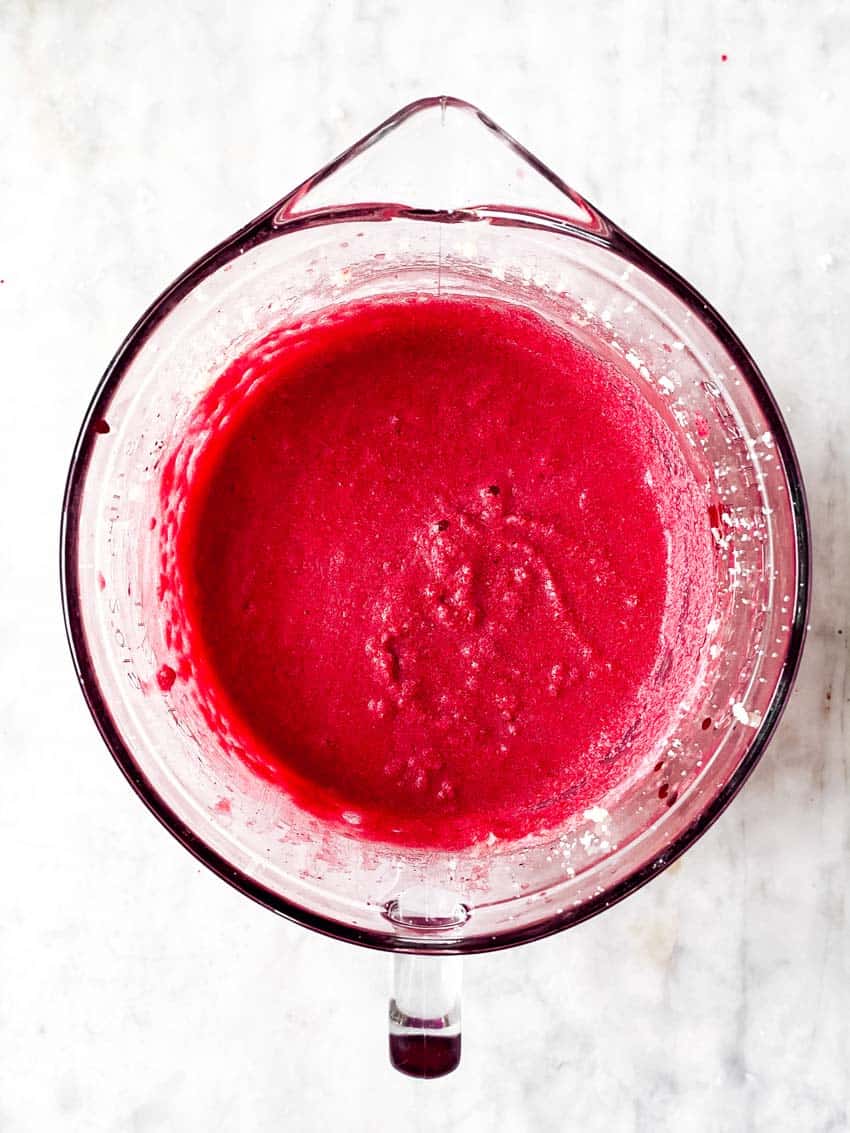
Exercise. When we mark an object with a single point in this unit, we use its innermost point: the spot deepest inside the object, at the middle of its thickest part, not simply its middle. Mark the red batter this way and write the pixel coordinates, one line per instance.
(445, 571)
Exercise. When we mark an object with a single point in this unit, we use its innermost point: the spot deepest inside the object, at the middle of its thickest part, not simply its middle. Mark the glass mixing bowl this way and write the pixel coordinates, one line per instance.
(438, 199)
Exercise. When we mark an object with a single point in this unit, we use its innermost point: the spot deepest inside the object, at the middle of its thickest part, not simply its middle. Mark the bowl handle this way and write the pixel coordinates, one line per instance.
(424, 1017)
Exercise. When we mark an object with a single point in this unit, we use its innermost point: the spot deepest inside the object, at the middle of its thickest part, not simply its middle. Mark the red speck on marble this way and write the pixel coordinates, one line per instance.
(101, 581)
(152, 523)
(165, 677)
(222, 806)
(724, 58)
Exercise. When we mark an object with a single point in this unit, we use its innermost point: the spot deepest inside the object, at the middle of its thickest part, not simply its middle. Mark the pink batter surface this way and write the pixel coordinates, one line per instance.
(444, 570)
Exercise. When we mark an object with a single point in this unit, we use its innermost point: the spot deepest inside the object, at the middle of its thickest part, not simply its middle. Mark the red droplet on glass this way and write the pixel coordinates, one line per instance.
(165, 677)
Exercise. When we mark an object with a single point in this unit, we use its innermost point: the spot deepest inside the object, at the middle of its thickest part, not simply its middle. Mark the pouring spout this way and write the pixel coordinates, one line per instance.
(440, 155)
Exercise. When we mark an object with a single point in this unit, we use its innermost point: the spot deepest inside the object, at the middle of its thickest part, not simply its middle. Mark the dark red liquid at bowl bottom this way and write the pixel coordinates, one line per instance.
(442, 569)
(425, 1055)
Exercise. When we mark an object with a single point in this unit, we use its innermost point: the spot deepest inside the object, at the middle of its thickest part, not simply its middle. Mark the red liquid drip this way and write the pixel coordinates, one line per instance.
(444, 570)
(166, 677)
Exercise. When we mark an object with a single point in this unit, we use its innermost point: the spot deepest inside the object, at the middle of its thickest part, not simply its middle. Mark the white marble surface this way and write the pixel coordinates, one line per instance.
(139, 993)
